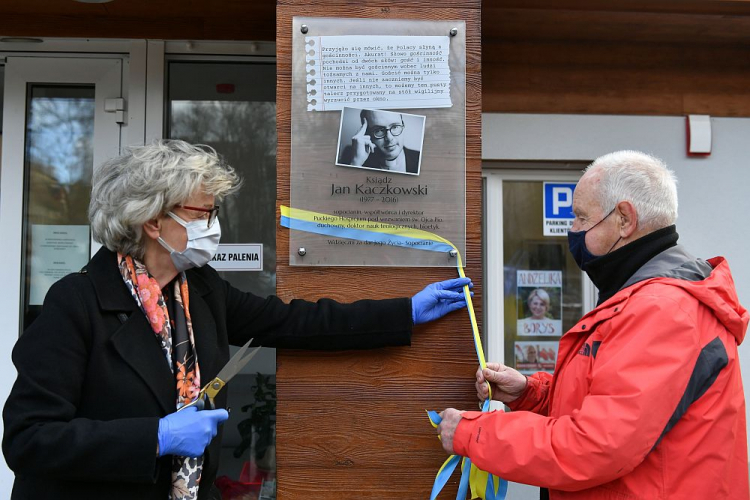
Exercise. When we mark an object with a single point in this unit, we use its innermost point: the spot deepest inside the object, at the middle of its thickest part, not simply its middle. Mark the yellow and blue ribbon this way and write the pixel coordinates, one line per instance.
(482, 484)
(362, 230)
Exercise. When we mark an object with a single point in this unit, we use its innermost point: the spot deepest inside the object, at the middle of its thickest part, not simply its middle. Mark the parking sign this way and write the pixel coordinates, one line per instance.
(558, 208)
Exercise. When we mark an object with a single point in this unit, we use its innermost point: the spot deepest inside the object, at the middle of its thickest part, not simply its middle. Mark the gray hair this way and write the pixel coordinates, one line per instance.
(641, 179)
(148, 181)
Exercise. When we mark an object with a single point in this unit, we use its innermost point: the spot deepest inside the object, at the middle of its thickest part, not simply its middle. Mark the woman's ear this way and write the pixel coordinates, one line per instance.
(152, 228)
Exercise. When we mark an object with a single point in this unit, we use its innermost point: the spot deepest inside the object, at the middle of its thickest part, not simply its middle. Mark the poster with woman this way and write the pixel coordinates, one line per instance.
(539, 303)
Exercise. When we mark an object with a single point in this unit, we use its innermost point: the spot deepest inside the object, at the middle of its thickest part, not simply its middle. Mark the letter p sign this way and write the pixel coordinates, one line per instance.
(558, 200)
(562, 197)
(558, 207)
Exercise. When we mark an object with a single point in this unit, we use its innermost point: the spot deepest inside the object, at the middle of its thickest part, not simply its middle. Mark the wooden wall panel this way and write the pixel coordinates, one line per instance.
(719, 7)
(616, 78)
(641, 57)
(352, 425)
(634, 26)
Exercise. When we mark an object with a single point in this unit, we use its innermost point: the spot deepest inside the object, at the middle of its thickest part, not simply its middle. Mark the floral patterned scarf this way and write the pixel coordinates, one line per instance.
(168, 312)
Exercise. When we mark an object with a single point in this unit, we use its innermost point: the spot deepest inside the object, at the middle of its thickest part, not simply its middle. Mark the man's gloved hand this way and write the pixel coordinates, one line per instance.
(438, 299)
(187, 433)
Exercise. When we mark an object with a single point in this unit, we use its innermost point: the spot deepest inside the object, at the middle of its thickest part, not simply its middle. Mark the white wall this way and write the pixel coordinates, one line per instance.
(713, 190)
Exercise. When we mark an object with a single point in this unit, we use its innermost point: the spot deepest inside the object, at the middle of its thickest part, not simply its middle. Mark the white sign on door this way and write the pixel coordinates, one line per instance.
(56, 251)
(238, 257)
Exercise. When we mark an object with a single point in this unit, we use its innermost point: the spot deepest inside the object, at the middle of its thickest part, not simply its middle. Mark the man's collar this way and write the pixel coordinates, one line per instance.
(610, 272)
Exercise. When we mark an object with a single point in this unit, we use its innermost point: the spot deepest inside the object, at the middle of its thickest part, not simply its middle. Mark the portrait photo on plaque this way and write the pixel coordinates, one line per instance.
(379, 139)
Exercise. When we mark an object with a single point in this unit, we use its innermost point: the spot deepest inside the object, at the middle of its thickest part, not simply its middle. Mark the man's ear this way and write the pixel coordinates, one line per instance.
(152, 228)
(627, 219)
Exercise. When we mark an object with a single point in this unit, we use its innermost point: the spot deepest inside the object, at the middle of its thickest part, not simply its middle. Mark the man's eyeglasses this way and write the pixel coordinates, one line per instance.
(212, 212)
(380, 132)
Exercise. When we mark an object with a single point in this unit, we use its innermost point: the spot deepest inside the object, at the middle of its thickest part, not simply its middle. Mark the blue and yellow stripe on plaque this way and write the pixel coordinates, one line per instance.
(363, 230)
(482, 484)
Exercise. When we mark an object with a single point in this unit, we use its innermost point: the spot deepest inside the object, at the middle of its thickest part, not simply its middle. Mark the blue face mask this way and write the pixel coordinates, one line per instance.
(577, 244)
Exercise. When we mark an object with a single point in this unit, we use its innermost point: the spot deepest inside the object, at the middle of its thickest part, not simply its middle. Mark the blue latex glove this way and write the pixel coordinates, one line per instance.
(186, 433)
(438, 299)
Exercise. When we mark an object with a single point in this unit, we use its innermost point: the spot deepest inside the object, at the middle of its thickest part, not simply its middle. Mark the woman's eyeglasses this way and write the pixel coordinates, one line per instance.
(212, 212)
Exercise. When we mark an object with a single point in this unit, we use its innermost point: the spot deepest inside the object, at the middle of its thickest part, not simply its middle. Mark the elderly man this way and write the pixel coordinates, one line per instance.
(379, 143)
(646, 401)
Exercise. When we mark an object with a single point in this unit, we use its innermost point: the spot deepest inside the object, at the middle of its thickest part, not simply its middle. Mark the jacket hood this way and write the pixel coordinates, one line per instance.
(717, 292)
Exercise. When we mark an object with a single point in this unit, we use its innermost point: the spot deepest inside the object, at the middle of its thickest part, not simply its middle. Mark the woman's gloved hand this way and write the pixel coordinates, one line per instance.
(187, 433)
(438, 299)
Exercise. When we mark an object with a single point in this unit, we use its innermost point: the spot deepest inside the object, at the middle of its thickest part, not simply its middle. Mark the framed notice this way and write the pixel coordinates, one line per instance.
(56, 251)
(378, 160)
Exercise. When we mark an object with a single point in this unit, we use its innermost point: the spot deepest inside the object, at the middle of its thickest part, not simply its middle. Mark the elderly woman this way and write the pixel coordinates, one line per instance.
(538, 303)
(123, 344)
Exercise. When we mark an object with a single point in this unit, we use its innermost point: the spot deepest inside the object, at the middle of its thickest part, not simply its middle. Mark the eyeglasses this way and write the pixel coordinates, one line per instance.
(380, 132)
(212, 212)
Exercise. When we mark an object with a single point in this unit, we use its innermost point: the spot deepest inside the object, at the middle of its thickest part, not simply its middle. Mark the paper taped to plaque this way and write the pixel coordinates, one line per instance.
(377, 72)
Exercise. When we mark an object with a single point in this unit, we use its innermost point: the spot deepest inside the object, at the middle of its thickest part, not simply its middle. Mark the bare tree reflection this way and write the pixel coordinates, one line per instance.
(244, 133)
(60, 159)
(59, 164)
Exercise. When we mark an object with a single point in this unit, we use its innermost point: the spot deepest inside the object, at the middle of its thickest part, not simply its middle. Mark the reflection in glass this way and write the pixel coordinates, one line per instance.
(232, 108)
(58, 167)
(238, 119)
(244, 133)
(542, 283)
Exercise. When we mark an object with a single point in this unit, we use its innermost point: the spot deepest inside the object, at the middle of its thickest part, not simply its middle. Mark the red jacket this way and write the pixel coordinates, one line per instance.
(646, 401)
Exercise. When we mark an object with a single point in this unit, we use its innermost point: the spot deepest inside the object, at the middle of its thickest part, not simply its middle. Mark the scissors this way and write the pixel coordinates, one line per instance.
(210, 390)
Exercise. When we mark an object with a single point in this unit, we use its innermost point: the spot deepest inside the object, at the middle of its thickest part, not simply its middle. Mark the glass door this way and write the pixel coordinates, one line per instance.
(534, 290)
(542, 285)
(56, 127)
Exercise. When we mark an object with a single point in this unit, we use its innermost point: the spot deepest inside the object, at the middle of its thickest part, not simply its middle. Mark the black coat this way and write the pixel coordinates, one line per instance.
(81, 420)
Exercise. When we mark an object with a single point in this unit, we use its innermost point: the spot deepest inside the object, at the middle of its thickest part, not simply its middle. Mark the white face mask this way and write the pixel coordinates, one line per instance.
(202, 243)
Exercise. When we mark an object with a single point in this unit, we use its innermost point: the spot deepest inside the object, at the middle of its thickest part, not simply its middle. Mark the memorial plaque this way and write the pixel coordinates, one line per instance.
(378, 160)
